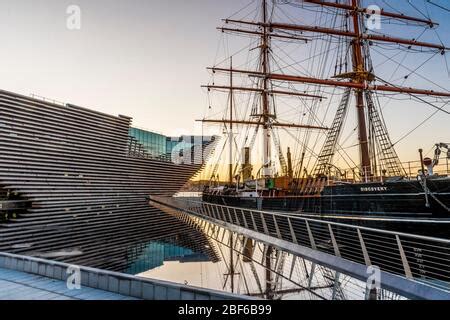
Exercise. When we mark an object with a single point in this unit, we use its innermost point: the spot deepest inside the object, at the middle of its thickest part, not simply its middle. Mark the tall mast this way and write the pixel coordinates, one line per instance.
(230, 177)
(360, 76)
(266, 132)
(267, 152)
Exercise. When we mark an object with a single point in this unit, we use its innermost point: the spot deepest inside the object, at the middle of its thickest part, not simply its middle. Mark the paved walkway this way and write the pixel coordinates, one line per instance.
(15, 285)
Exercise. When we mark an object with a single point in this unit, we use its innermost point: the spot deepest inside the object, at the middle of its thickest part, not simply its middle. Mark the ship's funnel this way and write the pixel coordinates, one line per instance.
(247, 168)
(290, 172)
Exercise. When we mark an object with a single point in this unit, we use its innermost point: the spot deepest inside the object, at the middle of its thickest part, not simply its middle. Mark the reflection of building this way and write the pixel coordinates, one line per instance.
(163, 147)
(155, 253)
(153, 143)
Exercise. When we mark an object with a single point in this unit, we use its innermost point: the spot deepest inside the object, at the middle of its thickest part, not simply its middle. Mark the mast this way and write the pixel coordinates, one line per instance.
(230, 177)
(267, 152)
(266, 134)
(360, 76)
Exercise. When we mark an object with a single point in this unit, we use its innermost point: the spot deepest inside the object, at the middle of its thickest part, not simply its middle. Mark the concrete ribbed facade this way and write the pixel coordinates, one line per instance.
(85, 188)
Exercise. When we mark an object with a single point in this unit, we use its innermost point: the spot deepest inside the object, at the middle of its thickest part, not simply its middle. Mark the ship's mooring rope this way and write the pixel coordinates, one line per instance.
(428, 192)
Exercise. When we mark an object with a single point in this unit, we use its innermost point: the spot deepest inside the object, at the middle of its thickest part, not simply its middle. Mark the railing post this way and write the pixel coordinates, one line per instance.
(224, 217)
(311, 237)
(277, 229)
(203, 210)
(208, 212)
(291, 228)
(244, 218)
(215, 210)
(363, 248)
(294, 259)
(255, 227)
(405, 263)
(266, 230)
(333, 240)
(236, 216)
(229, 215)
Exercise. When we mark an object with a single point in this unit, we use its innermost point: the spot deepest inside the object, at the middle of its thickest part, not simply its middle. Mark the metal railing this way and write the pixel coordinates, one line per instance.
(415, 257)
(412, 170)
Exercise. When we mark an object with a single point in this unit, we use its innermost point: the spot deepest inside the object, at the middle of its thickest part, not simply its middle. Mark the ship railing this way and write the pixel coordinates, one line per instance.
(413, 168)
(416, 257)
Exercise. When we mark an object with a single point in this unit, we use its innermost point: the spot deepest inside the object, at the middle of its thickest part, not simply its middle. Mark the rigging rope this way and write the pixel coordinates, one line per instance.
(438, 5)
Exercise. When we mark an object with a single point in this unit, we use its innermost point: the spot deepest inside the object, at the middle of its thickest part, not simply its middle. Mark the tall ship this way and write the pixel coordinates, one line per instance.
(323, 57)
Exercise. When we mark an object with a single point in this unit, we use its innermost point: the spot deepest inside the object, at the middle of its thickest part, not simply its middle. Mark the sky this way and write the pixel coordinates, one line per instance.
(141, 58)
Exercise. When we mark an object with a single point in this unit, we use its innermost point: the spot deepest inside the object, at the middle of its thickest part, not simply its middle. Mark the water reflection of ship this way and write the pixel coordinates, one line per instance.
(235, 251)
(269, 282)
(260, 270)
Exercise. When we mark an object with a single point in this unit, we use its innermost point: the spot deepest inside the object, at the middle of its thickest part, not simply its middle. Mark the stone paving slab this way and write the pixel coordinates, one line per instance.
(16, 285)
